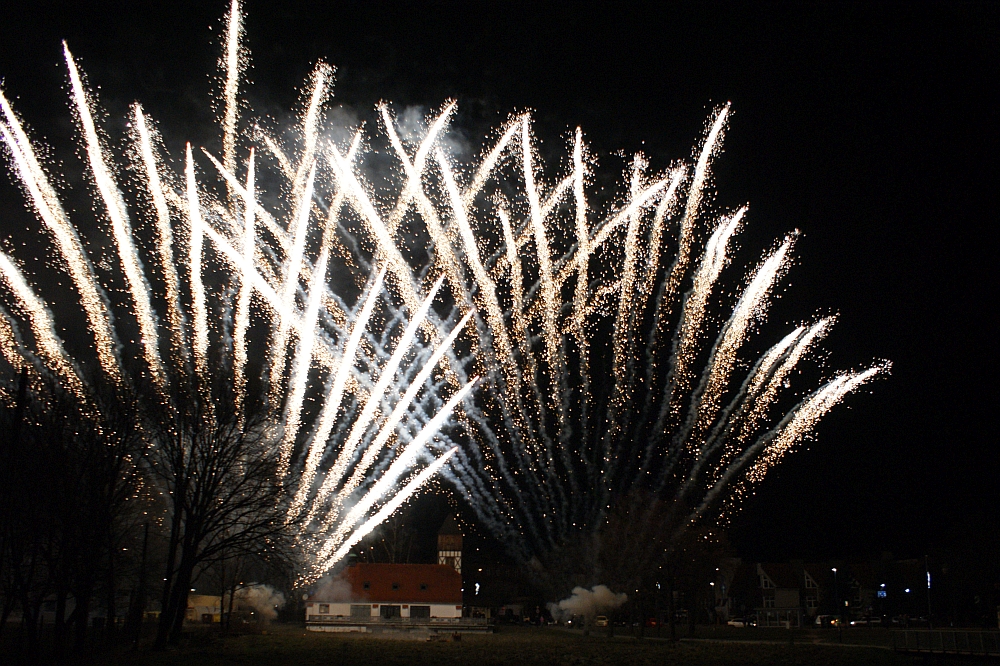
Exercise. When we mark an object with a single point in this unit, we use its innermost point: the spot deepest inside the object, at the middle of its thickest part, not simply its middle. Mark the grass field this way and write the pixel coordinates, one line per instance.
(287, 645)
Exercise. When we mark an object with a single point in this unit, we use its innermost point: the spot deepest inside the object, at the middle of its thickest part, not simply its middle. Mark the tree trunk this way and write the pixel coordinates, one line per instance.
(82, 611)
(111, 627)
(163, 626)
(671, 609)
(59, 631)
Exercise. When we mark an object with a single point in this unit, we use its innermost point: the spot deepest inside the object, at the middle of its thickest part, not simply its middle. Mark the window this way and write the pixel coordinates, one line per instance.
(395, 586)
(811, 601)
(324, 609)
(423, 586)
(765, 582)
(769, 602)
(810, 583)
(420, 611)
(360, 611)
(366, 585)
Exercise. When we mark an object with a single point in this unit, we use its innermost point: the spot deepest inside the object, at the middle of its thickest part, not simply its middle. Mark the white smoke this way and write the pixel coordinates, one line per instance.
(587, 603)
(333, 588)
(263, 599)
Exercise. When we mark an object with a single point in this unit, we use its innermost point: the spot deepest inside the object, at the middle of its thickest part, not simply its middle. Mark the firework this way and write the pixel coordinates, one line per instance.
(321, 351)
(604, 367)
(611, 356)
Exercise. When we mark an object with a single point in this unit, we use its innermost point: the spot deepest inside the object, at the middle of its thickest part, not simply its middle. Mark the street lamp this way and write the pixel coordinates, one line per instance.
(840, 611)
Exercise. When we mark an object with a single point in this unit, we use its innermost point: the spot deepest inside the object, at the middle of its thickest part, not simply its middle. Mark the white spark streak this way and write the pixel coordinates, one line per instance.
(332, 400)
(200, 321)
(51, 213)
(42, 326)
(390, 507)
(302, 362)
(120, 225)
(234, 65)
(165, 238)
(242, 318)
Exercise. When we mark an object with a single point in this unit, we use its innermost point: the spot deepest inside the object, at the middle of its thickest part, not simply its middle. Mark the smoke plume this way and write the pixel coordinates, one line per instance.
(263, 599)
(587, 603)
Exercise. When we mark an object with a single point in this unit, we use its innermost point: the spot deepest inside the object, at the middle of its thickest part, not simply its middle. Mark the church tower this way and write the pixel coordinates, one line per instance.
(450, 543)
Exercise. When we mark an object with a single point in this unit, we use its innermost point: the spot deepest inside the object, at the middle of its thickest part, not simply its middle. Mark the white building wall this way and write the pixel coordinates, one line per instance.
(343, 609)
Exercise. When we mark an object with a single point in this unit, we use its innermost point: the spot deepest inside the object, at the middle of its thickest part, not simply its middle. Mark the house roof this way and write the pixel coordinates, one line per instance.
(783, 575)
(414, 583)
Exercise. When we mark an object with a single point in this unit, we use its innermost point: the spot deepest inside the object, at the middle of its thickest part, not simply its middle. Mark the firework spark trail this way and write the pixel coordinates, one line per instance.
(486, 287)
(798, 423)
(165, 238)
(334, 396)
(390, 507)
(42, 327)
(412, 190)
(805, 420)
(403, 463)
(751, 307)
(120, 225)
(732, 417)
(52, 215)
(582, 264)
(553, 347)
(11, 346)
(242, 320)
(368, 412)
(200, 311)
(444, 252)
(301, 363)
(692, 208)
(290, 281)
(373, 449)
(234, 67)
(712, 263)
(767, 395)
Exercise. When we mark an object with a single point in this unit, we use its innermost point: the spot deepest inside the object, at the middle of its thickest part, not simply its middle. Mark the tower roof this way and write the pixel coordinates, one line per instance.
(450, 526)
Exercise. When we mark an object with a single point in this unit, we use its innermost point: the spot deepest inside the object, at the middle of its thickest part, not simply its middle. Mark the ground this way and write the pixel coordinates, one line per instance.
(293, 646)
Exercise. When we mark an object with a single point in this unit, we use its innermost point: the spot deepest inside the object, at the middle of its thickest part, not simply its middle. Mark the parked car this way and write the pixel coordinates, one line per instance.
(600, 621)
(867, 622)
(738, 622)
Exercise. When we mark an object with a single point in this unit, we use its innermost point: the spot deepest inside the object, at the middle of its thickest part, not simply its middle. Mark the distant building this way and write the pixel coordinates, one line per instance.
(450, 544)
(399, 596)
(203, 609)
(382, 593)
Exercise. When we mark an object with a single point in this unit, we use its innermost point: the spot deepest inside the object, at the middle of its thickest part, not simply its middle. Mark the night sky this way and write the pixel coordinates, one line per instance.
(871, 130)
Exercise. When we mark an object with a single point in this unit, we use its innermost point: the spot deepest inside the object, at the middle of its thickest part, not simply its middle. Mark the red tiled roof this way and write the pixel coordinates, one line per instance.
(415, 583)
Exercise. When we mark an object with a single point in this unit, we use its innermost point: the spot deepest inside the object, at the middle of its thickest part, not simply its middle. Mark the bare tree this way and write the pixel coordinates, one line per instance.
(215, 467)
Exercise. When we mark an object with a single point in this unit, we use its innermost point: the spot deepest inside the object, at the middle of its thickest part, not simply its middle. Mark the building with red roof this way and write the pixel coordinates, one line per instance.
(373, 595)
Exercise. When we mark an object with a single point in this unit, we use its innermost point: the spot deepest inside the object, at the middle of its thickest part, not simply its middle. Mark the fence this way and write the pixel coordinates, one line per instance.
(947, 641)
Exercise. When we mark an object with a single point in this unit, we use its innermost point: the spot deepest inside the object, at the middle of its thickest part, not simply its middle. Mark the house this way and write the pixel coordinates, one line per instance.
(781, 598)
(387, 593)
(203, 609)
(379, 597)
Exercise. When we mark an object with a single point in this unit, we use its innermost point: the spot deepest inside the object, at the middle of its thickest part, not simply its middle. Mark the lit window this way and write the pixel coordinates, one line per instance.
(324, 609)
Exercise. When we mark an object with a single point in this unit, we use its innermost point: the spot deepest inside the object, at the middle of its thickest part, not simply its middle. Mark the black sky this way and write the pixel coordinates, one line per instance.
(872, 129)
